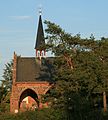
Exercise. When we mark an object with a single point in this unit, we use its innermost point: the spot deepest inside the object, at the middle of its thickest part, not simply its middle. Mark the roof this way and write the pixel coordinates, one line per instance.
(29, 69)
(40, 41)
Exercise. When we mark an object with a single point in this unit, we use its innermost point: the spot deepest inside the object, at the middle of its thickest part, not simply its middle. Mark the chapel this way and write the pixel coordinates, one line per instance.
(32, 76)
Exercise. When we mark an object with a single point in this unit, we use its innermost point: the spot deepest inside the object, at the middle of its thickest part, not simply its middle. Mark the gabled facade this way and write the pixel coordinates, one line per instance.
(32, 77)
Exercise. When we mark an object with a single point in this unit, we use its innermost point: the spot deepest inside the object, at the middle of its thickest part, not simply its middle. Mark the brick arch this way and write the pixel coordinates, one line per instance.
(40, 88)
(48, 88)
(25, 88)
(28, 92)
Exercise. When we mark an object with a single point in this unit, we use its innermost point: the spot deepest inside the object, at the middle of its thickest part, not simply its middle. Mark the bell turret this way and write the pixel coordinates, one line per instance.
(40, 41)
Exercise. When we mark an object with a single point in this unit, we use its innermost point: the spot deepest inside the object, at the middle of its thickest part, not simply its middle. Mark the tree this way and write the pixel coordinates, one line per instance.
(102, 52)
(6, 87)
(81, 67)
(76, 56)
(2, 92)
(7, 75)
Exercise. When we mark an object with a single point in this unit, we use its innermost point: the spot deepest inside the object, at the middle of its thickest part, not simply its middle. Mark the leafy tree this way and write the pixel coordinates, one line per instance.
(7, 75)
(2, 92)
(81, 68)
(4, 99)
(6, 87)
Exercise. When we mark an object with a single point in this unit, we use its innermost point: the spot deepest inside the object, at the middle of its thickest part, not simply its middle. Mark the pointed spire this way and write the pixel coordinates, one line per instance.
(40, 41)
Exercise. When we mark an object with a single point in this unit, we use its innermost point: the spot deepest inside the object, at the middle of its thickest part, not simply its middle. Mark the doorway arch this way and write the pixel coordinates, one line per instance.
(28, 100)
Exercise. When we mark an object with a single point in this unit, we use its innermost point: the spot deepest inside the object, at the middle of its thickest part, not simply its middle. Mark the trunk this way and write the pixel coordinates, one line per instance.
(104, 101)
(69, 61)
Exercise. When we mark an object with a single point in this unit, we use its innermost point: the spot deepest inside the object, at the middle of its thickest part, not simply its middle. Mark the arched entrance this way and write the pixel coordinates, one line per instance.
(24, 92)
(28, 100)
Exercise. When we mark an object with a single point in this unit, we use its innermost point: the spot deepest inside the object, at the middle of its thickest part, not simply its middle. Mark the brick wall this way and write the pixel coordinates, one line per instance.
(18, 88)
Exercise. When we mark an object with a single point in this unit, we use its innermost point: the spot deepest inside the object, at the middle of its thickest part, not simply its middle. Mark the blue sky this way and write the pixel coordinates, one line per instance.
(19, 20)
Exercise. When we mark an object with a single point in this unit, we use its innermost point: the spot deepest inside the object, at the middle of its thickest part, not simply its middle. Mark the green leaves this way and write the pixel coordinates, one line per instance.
(6, 87)
(7, 75)
(81, 66)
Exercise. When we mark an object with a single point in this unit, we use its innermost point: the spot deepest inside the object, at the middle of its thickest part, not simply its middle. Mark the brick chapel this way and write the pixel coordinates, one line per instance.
(32, 77)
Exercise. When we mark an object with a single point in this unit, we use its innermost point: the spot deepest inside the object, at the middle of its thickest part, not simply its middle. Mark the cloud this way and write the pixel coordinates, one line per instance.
(24, 17)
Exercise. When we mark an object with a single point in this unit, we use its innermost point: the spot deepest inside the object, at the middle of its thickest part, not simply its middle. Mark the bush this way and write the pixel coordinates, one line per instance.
(44, 114)
(52, 114)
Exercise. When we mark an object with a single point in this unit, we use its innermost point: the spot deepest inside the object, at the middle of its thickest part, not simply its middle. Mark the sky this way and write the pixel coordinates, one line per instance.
(19, 21)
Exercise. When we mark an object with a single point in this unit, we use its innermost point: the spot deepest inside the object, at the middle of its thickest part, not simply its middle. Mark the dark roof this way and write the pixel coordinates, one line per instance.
(30, 69)
(40, 41)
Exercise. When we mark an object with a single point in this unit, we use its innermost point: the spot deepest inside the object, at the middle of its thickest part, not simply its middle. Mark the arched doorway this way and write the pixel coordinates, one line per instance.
(28, 100)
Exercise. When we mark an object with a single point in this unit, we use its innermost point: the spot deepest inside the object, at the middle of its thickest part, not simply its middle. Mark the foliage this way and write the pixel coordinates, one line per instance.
(2, 92)
(45, 114)
(81, 70)
(7, 75)
(6, 87)
(4, 100)
(51, 114)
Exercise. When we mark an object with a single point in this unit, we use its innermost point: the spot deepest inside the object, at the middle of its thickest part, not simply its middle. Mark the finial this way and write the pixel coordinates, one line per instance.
(40, 9)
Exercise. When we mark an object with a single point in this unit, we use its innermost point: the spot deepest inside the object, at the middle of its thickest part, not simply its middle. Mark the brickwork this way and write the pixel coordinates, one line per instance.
(22, 89)
(14, 68)
(40, 88)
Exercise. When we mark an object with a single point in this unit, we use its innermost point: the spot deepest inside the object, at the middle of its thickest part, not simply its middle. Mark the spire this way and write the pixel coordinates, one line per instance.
(40, 41)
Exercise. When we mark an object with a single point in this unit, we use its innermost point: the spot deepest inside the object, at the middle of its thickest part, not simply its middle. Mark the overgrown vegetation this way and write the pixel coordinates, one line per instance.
(53, 114)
